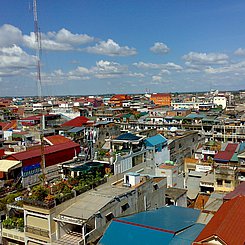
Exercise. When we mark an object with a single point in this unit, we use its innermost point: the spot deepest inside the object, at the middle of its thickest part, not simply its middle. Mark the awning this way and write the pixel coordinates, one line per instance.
(6, 165)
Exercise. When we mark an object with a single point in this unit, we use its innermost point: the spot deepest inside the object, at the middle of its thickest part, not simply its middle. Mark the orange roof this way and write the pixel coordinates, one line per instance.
(8, 125)
(191, 160)
(227, 224)
(121, 97)
(56, 139)
(201, 201)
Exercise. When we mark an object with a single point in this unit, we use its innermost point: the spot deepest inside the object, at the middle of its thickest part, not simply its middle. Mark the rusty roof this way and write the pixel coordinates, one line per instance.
(227, 225)
(239, 191)
(57, 139)
(20, 156)
(76, 122)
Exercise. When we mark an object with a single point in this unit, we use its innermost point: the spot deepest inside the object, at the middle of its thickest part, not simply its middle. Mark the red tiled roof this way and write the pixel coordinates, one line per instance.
(227, 224)
(57, 139)
(76, 122)
(227, 154)
(239, 191)
(20, 156)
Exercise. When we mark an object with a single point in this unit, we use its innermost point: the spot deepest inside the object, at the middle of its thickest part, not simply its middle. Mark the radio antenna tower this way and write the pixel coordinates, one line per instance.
(39, 87)
(38, 49)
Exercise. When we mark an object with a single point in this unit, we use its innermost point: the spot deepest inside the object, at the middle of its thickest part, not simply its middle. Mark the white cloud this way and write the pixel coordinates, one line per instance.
(167, 66)
(13, 60)
(164, 72)
(111, 48)
(63, 40)
(160, 48)
(10, 35)
(156, 78)
(65, 36)
(233, 68)
(194, 58)
(240, 52)
(107, 69)
(103, 69)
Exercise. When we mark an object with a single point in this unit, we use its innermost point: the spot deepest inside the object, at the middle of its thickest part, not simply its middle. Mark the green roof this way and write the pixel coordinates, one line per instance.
(234, 158)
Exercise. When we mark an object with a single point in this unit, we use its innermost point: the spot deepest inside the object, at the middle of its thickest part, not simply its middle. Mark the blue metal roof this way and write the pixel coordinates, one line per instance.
(76, 130)
(187, 236)
(120, 234)
(241, 147)
(158, 226)
(127, 136)
(195, 115)
(170, 218)
(155, 140)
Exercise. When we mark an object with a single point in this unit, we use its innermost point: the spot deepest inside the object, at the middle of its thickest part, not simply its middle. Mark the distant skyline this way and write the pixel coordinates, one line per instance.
(129, 46)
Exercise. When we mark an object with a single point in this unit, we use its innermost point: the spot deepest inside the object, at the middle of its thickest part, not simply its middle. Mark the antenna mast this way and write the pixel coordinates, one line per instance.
(39, 88)
(38, 48)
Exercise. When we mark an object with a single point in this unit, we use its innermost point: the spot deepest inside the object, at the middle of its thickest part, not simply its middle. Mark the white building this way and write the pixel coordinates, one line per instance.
(220, 101)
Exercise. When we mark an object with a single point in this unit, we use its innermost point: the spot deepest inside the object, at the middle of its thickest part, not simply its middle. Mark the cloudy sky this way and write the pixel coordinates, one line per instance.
(127, 46)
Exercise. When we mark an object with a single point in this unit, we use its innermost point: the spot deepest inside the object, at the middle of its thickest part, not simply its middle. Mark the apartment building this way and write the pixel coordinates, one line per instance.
(83, 218)
(161, 99)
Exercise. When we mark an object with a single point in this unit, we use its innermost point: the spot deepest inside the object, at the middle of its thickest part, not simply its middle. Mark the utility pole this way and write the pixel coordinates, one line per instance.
(39, 87)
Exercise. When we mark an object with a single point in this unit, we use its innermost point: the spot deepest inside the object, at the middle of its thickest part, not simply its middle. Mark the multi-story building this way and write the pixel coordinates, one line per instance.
(161, 99)
(83, 219)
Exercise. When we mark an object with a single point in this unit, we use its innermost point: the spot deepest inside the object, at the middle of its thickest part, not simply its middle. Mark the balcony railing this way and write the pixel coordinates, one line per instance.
(37, 231)
(36, 203)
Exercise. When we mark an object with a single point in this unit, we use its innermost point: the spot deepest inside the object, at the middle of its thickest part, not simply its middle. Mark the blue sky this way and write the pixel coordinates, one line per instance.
(129, 46)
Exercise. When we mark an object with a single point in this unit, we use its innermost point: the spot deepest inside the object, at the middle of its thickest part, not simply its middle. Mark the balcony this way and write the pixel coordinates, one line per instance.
(13, 234)
(208, 152)
(37, 231)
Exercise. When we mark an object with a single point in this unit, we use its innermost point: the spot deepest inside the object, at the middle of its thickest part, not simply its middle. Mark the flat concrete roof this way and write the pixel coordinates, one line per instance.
(90, 202)
(6, 165)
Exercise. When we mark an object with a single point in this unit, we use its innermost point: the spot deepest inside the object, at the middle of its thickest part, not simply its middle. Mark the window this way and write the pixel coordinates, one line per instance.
(219, 182)
(156, 187)
(124, 207)
(180, 145)
(227, 183)
(109, 217)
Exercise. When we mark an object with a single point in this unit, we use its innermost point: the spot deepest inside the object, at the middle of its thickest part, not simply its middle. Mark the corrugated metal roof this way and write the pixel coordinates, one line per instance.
(57, 139)
(47, 150)
(6, 165)
(227, 224)
(76, 130)
(204, 218)
(127, 136)
(187, 236)
(226, 155)
(155, 140)
(152, 227)
(76, 122)
(194, 116)
(239, 191)
(241, 147)
(120, 234)
(170, 218)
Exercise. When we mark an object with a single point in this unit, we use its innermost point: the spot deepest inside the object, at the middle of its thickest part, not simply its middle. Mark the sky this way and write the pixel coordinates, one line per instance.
(127, 46)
